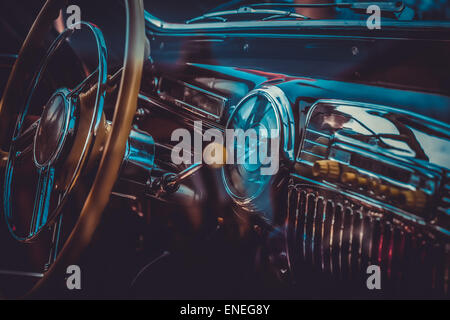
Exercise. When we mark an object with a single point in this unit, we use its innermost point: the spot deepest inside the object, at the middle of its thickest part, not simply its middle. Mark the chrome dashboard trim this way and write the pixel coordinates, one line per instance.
(373, 202)
(160, 25)
(203, 90)
(189, 107)
(381, 108)
(188, 117)
(393, 147)
(437, 124)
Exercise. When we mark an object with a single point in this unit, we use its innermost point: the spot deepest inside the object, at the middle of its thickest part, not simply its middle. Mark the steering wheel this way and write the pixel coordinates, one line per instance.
(70, 136)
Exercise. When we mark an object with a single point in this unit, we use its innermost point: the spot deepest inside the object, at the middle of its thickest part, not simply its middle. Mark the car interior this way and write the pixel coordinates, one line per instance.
(219, 149)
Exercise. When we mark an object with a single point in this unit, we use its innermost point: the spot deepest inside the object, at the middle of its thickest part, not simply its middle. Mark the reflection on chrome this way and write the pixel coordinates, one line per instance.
(370, 182)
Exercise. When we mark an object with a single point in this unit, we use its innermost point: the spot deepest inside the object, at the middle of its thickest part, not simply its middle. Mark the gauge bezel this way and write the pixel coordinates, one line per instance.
(286, 125)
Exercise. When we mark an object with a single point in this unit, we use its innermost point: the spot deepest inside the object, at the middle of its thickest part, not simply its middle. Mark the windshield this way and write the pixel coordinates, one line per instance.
(182, 11)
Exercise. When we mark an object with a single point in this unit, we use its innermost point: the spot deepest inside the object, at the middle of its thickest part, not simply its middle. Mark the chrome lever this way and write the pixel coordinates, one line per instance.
(170, 182)
(3, 158)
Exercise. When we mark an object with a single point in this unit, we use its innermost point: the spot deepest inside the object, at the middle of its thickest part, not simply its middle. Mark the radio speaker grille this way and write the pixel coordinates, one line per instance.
(342, 238)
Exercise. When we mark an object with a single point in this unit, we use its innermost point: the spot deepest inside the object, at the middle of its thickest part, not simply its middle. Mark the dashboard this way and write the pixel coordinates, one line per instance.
(366, 162)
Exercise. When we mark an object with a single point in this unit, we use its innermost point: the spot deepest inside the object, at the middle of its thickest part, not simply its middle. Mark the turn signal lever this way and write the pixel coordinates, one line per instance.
(170, 182)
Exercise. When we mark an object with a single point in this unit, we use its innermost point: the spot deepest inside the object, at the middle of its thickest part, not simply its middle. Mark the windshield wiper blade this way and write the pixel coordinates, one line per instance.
(394, 9)
(271, 14)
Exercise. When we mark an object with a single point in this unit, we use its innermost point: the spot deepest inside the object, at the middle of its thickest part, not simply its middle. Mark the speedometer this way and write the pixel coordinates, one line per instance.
(259, 138)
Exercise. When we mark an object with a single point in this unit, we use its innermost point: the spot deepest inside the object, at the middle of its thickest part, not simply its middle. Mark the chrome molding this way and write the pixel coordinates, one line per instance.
(370, 202)
(188, 117)
(163, 26)
(197, 110)
(341, 236)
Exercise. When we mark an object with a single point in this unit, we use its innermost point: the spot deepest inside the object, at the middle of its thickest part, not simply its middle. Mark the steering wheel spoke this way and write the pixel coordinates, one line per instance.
(55, 242)
(84, 83)
(23, 142)
(44, 191)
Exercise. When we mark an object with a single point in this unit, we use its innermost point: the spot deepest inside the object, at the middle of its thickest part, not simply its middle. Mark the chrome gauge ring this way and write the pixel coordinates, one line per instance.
(259, 135)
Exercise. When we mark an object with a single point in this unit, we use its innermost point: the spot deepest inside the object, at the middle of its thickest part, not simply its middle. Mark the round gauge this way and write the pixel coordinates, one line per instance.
(253, 136)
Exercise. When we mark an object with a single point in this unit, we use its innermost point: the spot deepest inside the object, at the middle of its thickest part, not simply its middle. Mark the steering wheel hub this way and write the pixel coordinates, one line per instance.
(52, 130)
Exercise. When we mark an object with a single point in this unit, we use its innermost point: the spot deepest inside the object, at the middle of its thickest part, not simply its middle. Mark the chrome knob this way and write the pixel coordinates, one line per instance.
(326, 169)
(348, 177)
(413, 199)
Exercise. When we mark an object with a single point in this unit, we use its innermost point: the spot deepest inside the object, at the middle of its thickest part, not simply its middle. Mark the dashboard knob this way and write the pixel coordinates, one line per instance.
(326, 169)
(353, 178)
(413, 199)
(421, 199)
(348, 177)
(383, 189)
(393, 192)
(320, 168)
(362, 181)
(374, 184)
